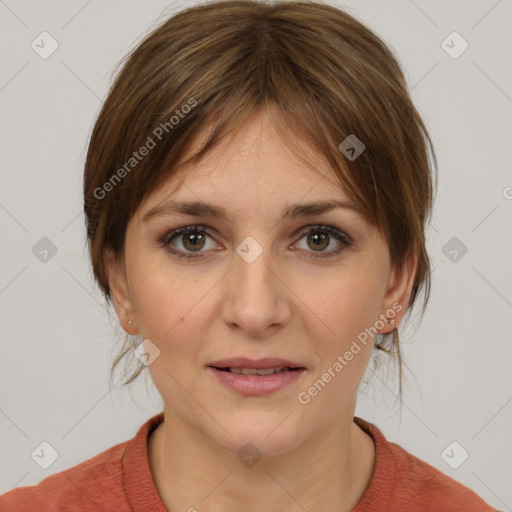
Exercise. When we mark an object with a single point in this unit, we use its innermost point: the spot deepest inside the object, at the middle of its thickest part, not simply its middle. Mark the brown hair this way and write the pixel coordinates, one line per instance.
(212, 66)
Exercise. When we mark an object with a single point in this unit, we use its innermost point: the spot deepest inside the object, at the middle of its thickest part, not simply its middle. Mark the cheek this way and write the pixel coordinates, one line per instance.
(160, 296)
(172, 308)
(342, 354)
(157, 305)
(348, 304)
(347, 308)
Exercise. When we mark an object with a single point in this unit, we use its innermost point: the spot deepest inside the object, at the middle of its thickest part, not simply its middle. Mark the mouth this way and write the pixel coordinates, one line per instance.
(258, 371)
(256, 377)
(262, 367)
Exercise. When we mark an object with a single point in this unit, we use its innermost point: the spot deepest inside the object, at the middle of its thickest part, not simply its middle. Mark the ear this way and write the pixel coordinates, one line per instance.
(396, 300)
(119, 292)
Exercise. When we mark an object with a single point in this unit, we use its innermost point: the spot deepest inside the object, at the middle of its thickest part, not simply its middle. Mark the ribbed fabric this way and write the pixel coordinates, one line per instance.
(403, 483)
(119, 480)
(139, 486)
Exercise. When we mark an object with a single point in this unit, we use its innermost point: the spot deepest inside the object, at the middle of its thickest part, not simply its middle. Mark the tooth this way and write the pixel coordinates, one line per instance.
(248, 371)
(257, 371)
(265, 371)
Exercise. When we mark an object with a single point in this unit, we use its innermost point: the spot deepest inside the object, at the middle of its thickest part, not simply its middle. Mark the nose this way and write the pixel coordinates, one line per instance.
(257, 298)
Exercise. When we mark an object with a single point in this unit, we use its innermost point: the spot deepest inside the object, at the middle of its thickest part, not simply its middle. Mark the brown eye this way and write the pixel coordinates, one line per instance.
(318, 241)
(193, 241)
(188, 240)
(319, 237)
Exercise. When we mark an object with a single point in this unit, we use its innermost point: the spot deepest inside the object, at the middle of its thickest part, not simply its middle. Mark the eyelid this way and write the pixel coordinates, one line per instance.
(342, 237)
(210, 231)
(189, 228)
(327, 228)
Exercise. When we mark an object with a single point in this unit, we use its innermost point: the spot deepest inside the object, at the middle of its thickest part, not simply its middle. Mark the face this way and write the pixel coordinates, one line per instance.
(256, 284)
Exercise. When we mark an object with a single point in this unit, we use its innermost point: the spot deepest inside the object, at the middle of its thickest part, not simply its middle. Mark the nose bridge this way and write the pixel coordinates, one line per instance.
(256, 297)
(253, 267)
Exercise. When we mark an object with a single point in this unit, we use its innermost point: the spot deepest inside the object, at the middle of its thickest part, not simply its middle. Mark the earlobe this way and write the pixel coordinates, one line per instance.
(399, 291)
(119, 292)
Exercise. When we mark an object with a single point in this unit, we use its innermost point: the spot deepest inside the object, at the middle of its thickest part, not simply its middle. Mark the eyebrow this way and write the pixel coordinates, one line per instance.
(200, 209)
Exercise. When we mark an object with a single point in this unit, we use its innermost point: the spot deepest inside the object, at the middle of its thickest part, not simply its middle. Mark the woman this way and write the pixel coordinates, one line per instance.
(256, 190)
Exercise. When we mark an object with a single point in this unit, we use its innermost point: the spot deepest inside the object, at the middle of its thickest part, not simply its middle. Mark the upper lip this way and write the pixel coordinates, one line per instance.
(244, 362)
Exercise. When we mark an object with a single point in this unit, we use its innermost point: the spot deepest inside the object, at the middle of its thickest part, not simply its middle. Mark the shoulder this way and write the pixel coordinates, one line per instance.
(90, 485)
(402, 481)
(422, 486)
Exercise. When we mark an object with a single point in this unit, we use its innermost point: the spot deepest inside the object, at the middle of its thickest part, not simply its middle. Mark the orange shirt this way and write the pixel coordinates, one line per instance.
(119, 479)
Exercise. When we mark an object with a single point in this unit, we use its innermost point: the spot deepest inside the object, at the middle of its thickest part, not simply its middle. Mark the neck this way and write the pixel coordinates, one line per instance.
(329, 472)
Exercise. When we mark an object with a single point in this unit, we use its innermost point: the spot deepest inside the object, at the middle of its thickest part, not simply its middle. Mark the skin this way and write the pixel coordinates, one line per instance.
(284, 304)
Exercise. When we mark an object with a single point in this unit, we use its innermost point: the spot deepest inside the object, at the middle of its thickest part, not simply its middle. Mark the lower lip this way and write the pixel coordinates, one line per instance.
(256, 385)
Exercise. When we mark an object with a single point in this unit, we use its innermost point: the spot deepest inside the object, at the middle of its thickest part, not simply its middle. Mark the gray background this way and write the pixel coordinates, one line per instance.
(57, 340)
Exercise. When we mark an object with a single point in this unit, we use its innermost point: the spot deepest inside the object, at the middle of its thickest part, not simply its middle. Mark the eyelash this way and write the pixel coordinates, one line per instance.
(199, 229)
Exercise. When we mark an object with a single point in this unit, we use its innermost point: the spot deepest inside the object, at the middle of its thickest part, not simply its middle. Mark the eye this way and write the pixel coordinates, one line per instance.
(320, 236)
(192, 239)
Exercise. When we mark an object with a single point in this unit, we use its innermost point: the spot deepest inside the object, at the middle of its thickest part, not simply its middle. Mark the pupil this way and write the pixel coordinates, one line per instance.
(196, 239)
(316, 238)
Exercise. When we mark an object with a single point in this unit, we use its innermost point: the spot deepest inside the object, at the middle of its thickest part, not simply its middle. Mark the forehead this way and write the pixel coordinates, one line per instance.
(255, 161)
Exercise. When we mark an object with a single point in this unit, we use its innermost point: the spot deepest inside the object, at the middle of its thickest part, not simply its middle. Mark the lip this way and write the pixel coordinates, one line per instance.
(244, 362)
(256, 385)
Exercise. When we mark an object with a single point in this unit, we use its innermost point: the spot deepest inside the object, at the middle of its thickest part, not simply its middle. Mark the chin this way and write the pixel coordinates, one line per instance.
(267, 432)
